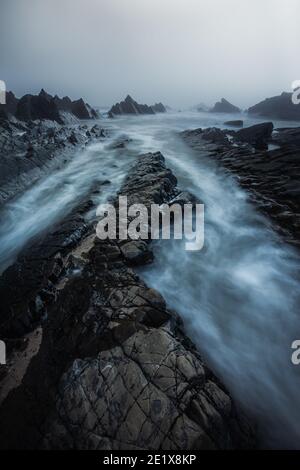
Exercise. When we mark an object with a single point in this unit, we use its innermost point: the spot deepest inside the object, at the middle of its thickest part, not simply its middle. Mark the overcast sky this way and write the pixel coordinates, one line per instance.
(181, 52)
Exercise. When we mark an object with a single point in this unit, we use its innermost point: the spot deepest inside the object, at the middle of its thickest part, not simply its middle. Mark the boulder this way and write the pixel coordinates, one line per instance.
(130, 106)
(224, 106)
(277, 107)
(256, 135)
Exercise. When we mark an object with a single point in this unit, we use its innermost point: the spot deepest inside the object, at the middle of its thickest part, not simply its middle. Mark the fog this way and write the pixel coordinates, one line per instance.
(181, 52)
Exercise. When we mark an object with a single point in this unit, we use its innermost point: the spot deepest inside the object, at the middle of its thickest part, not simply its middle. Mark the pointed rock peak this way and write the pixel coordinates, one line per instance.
(128, 99)
(44, 94)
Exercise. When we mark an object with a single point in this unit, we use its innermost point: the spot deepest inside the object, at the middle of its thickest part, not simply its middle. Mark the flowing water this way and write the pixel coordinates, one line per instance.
(238, 296)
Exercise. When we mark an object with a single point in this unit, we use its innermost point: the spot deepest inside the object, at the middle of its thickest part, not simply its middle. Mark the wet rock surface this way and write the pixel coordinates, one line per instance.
(269, 169)
(115, 369)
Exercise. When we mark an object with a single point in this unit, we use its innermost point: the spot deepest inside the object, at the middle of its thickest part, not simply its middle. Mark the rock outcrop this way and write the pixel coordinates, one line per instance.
(9, 109)
(277, 107)
(44, 106)
(224, 106)
(115, 369)
(271, 176)
(130, 106)
(257, 135)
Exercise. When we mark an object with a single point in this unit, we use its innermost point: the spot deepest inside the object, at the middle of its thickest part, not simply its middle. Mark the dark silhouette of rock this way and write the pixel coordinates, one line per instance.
(159, 108)
(236, 123)
(115, 369)
(277, 107)
(224, 106)
(32, 107)
(40, 142)
(130, 106)
(63, 104)
(271, 177)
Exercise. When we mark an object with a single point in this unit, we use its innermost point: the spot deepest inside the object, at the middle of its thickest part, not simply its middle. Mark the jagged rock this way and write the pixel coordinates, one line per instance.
(277, 107)
(83, 111)
(224, 106)
(136, 252)
(236, 123)
(130, 106)
(256, 135)
(43, 142)
(272, 177)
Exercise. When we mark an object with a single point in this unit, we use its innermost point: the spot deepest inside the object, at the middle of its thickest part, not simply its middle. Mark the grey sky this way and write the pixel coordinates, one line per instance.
(181, 52)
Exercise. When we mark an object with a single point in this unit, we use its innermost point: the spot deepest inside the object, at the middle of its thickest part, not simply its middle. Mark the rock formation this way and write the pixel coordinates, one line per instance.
(236, 123)
(28, 148)
(44, 106)
(272, 177)
(130, 106)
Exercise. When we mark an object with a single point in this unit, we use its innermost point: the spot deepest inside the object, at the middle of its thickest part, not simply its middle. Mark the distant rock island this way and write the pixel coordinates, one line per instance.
(224, 106)
(277, 107)
(44, 106)
(130, 106)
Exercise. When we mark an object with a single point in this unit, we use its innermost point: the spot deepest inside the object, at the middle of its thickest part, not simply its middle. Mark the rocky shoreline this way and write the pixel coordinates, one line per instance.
(112, 367)
(29, 149)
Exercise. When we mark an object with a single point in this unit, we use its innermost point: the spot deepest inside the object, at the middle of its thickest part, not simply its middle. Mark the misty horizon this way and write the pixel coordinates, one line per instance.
(177, 52)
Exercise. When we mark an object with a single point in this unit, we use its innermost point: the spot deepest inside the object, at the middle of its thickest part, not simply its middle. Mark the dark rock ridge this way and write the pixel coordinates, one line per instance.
(44, 106)
(272, 177)
(29, 148)
(129, 106)
(236, 123)
(277, 107)
(224, 106)
(115, 369)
